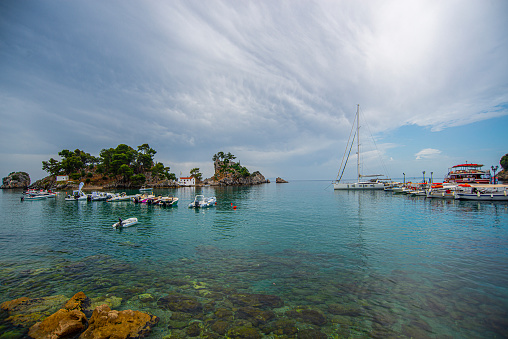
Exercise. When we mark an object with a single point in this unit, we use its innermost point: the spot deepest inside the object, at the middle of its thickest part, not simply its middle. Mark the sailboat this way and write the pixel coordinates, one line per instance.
(360, 184)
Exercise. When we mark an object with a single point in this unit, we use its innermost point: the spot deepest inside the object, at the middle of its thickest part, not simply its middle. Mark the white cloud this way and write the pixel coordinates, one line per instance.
(427, 153)
(279, 79)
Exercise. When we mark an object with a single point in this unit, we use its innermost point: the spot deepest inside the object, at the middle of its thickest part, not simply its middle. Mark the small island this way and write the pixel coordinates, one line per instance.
(126, 167)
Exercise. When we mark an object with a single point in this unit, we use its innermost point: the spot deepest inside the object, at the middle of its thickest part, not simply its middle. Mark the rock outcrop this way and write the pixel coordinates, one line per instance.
(47, 320)
(502, 176)
(279, 180)
(106, 323)
(16, 180)
(255, 178)
(230, 173)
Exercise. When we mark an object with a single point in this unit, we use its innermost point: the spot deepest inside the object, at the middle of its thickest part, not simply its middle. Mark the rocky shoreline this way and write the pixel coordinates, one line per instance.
(78, 316)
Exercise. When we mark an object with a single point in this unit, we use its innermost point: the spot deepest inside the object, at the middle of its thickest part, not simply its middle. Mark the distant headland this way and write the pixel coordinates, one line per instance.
(126, 167)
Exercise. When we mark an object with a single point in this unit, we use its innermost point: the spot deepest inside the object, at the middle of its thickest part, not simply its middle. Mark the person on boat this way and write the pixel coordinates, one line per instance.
(119, 221)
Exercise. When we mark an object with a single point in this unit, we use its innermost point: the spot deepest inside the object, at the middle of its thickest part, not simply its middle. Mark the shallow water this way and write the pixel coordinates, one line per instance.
(370, 264)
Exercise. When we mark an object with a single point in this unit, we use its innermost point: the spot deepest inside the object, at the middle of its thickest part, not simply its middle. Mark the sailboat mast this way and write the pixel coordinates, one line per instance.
(358, 141)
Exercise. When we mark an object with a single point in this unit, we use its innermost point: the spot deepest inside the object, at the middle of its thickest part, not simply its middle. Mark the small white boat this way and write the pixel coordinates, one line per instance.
(443, 191)
(100, 196)
(168, 201)
(201, 202)
(121, 197)
(146, 189)
(77, 195)
(483, 193)
(33, 194)
(125, 223)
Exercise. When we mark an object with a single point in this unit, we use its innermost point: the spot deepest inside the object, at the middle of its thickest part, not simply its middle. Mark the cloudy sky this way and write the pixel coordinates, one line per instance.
(276, 83)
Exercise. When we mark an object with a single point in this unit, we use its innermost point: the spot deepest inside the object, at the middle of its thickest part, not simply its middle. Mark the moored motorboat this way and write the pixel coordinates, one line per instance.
(483, 193)
(168, 201)
(33, 194)
(442, 191)
(100, 196)
(76, 196)
(200, 201)
(125, 223)
(121, 197)
(145, 189)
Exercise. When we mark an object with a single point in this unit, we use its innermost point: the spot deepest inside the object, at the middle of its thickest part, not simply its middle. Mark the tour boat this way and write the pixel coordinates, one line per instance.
(371, 184)
(468, 174)
(201, 202)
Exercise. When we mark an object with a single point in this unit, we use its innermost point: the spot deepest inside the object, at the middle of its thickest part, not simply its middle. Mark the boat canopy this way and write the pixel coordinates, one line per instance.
(468, 165)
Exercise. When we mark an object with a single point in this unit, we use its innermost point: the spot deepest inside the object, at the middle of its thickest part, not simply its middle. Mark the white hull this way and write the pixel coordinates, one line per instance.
(126, 223)
(359, 186)
(482, 196)
(202, 202)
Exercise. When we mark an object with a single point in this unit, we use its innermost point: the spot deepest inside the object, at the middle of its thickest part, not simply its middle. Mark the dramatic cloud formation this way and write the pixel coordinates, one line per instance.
(275, 83)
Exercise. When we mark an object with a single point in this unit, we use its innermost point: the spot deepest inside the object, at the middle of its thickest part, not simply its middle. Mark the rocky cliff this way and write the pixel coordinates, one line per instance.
(16, 180)
(229, 173)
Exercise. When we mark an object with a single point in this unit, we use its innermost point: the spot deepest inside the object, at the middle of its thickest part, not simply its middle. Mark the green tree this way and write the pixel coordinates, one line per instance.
(125, 171)
(159, 170)
(138, 179)
(504, 162)
(52, 166)
(196, 174)
(121, 155)
(144, 157)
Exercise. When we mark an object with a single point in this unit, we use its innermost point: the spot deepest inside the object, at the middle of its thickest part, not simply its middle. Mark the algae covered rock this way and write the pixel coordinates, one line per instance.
(180, 303)
(307, 315)
(26, 312)
(78, 302)
(256, 300)
(243, 332)
(63, 323)
(107, 323)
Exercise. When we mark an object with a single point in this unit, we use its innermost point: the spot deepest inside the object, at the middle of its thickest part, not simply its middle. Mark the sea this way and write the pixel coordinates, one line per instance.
(291, 260)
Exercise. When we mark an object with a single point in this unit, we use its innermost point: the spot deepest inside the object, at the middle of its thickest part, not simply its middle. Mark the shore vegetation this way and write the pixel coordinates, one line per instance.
(122, 163)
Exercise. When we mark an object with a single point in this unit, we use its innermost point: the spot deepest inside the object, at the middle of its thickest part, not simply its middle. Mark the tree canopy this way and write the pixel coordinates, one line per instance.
(504, 162)
(124, 161)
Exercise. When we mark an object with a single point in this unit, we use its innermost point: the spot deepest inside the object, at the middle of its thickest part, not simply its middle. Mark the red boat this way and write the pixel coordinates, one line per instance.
(468, 174)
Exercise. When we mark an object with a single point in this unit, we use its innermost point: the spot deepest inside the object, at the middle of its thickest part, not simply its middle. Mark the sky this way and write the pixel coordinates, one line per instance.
(276, 83)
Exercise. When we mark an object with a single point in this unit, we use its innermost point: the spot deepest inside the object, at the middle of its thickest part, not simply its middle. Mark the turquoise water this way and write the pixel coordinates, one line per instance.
(368, 264)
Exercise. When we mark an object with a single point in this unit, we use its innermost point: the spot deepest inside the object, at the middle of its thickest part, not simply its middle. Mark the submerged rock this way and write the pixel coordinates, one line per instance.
(307, 315)
(180, 303)
(26, 312)
(257, 300)
(243, 332)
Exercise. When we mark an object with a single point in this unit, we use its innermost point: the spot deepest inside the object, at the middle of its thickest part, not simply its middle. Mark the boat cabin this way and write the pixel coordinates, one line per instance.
(468, 173)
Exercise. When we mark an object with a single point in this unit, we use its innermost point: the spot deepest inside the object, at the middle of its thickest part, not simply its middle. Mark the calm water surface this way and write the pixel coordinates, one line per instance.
(344, 264)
